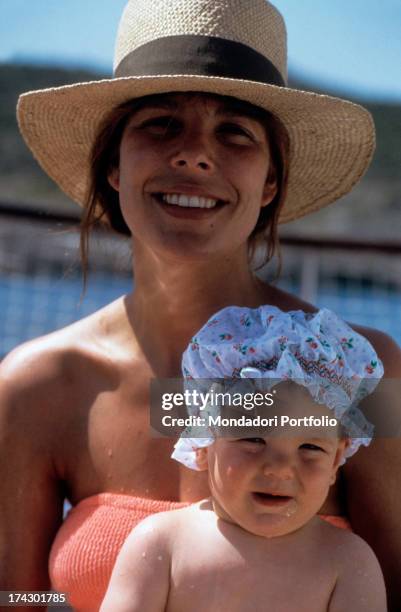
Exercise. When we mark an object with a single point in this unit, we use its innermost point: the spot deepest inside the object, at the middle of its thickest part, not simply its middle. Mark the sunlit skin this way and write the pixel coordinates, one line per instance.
(194, 147)
(256, 540)
(185, 264)
(74, 405)
(296, 465)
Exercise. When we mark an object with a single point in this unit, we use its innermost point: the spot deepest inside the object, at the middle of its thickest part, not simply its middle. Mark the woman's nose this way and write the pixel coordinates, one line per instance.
(193, 154)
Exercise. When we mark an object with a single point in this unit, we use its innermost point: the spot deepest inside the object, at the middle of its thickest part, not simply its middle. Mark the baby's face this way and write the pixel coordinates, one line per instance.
(274, 485)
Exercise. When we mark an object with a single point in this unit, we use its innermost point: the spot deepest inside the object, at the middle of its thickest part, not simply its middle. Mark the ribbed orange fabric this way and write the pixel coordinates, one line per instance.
(337, 521)
(85, 549)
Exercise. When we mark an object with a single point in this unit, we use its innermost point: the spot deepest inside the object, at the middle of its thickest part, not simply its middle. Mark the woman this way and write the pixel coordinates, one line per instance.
(199, 181)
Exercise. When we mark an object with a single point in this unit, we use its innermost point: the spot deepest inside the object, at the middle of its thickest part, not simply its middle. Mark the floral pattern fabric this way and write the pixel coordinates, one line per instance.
(319, 351)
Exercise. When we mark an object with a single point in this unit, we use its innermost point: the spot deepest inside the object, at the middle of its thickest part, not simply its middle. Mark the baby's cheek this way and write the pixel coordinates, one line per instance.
(321, 477)
(317, 474)
(235, 467)
(229, 471)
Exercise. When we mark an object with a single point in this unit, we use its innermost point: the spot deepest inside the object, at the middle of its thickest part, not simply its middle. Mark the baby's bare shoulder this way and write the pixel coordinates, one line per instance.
(173, 521)
(342, 542)
(168, 529)
(162, 522)
(351, 555)
(158, 534)
(359, 584)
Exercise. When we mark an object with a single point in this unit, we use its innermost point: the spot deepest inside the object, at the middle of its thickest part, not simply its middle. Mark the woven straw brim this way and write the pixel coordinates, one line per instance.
(331, 140)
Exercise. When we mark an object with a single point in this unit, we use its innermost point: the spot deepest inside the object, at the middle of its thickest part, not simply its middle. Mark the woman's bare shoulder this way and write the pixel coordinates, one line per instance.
(52, 363)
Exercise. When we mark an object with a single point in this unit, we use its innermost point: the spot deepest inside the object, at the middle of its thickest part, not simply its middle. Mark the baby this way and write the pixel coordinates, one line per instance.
(257, 543)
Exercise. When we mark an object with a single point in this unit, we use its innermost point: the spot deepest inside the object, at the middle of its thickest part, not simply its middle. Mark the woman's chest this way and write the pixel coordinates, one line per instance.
(114, 448)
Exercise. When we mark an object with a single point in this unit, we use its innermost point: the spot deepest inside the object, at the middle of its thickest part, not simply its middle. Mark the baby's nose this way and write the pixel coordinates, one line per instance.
(279, 466)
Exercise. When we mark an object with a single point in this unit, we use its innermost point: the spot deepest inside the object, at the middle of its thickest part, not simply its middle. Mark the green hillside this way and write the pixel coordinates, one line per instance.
(21, 179)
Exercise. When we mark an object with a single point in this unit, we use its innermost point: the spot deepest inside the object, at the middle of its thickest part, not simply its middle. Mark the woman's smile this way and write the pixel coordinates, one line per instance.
(190, 201)
(195, 159)
(188, 207)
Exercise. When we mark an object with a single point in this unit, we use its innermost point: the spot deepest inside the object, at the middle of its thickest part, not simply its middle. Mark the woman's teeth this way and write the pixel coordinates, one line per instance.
(189, 201)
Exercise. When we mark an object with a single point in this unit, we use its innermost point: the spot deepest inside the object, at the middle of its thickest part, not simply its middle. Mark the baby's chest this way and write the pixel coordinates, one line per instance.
(220, 582)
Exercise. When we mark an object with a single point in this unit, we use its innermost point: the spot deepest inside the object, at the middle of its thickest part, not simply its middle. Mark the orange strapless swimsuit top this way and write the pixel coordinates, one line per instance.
(86, 547)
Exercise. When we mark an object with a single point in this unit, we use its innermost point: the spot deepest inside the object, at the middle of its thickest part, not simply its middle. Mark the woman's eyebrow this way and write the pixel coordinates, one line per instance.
(232, 112)
(237, 112)
(157, 105)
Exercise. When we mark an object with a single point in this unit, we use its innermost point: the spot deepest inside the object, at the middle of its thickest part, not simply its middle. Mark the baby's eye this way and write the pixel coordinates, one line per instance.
(256, 441)
(312, 447)
(236, 133)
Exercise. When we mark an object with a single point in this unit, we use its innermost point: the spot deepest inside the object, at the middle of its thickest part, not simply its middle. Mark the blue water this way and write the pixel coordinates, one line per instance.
(33, 306)
(377, 308)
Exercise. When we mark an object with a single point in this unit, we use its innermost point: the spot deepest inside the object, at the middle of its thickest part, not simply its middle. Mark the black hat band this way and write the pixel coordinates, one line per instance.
(200, 56)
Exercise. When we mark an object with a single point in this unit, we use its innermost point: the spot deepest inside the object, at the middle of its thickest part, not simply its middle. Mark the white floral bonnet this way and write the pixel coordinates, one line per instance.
(338, 366)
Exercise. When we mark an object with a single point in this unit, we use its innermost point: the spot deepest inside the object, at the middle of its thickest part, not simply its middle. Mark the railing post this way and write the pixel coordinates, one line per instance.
(309, 281)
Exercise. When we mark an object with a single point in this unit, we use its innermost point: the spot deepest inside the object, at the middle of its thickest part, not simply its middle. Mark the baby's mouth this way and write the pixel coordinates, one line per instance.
(271, 499)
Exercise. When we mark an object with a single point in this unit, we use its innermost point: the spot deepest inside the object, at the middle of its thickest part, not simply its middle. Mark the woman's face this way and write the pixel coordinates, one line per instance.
(192, 176)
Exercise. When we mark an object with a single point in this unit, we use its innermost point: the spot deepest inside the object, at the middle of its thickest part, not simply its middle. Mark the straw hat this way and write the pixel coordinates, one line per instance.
(228, 47)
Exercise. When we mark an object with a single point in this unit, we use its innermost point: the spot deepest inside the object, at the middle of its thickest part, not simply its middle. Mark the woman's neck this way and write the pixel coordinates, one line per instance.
(174, 299)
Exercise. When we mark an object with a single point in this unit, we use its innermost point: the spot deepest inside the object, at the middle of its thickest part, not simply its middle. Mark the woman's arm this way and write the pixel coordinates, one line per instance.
(140, 580)
(373, 475)
(31, 500)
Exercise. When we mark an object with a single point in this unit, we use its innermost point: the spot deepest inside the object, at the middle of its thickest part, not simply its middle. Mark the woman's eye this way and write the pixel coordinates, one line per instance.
(160, 126)
(236, 133)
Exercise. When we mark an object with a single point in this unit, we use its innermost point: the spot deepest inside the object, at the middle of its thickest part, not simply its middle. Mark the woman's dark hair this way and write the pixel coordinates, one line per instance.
(102, 201)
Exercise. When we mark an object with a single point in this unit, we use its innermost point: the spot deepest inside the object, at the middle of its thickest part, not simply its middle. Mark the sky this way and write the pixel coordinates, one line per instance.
(353, 46)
